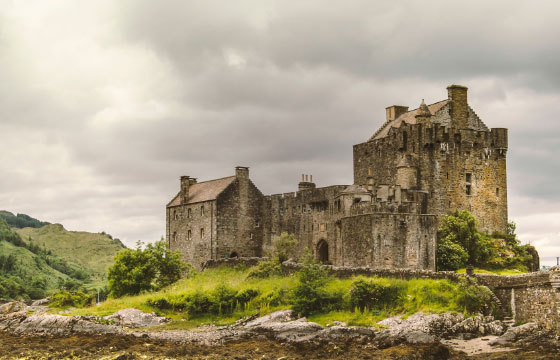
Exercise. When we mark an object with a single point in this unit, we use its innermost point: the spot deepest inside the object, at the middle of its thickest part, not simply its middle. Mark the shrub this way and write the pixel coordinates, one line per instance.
(223, 300)
(284, 248)
(265, 269)
(473, 298)
(450, 256)
(372, 294)
(66, 298)
(309, 295)
(150, 269)
(244, 296)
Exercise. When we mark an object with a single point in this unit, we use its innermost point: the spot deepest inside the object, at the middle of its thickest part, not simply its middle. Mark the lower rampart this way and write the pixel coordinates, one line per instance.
(531, 297)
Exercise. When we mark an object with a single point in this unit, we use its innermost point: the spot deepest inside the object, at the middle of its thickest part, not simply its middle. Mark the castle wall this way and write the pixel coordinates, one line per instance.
(239, 225)
(384, 240)
(197, 247)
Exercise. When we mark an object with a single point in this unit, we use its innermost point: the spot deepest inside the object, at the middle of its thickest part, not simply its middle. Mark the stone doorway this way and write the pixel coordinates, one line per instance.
(323, 252)
(233, 255)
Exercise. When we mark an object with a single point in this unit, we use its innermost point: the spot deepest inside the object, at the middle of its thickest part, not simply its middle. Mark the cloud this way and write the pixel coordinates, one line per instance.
(103, 105)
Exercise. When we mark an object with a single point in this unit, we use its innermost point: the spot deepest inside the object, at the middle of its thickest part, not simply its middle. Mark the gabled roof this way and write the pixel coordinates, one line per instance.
(204, 191)
(408, 117)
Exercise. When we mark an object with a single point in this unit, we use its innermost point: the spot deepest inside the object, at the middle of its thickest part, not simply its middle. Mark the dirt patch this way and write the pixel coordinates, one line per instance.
(129, 348)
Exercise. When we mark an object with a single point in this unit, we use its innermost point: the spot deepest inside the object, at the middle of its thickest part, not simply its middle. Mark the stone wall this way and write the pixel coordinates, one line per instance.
(384, 240)
(192, 231)
(239, 217)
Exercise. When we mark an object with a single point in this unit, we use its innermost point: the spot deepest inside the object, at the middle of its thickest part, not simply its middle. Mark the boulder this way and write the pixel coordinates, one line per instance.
(134, 318)
(515, 333)
(11, 307)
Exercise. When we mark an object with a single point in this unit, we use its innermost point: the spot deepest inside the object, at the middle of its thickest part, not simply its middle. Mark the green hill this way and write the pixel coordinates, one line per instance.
(21, 220)
(92, 252)
(36, 261)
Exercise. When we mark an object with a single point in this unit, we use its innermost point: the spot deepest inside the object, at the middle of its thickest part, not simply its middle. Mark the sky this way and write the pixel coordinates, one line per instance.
(105, 104)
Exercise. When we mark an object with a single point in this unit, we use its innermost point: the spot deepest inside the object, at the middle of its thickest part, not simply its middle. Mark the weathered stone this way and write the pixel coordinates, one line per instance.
(134, 318)
(12, 307)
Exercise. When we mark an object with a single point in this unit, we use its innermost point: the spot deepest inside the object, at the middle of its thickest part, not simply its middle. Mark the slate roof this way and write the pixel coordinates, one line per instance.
(204, 191)
(408, 117)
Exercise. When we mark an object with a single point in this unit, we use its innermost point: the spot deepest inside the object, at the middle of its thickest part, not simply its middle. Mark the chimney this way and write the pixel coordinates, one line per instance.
(306, 182)
(242, 172)
(185, 184)
(459, 108)
(393, 112)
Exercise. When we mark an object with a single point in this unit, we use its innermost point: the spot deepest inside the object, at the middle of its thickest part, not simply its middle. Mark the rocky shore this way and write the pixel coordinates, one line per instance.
(441, 336)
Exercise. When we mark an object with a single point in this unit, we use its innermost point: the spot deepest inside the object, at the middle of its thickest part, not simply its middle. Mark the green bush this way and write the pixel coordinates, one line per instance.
(149, 269)
(265, 269)
(374, 295)
(309, 295)
(244, 296)
(284, 247)
(474, 298)
(223, 300)
(450, 256)
(66, 298)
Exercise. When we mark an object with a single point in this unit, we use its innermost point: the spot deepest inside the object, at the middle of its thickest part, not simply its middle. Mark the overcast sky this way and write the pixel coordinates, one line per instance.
(104, 104)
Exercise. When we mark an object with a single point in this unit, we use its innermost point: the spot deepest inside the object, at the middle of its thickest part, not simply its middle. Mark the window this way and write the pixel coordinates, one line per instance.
(251, 235)
(468, 189)
(175, 215)
(202, 210)
(497, 191)
(447, 175)
(174, 238)
(189, 235)
(189, 214)
(468, 177)
(202, 233)
(322, 227)
(257, 224)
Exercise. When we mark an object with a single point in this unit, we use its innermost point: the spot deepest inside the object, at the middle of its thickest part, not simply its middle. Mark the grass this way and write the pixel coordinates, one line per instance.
(426, 295)
(494, 272)
(93, 252)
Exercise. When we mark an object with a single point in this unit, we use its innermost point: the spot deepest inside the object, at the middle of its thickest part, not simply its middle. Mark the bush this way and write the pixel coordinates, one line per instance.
(265, 269)
(450, 256)
(474, 298)
(374, 295)
(66, 298)
(284, 248)
(223, 300)
(309, 294)
(150, 269)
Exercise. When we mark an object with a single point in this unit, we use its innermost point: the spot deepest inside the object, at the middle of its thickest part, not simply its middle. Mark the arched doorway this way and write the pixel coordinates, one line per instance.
(322, 251)
(233, 255)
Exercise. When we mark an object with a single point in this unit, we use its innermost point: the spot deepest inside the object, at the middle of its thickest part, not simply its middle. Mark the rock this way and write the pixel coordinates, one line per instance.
(339, 323)
(134, 318)
(41, 302)
(277, 316)
(420, 337)
(11, 307)
(515, 333)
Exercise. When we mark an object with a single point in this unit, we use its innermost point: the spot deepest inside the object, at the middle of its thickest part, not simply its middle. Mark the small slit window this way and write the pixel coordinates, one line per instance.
(468, 177)
(189, 235)
(202, 210)
(189, 214)
(497, 191)
(202, 233)
(468, 189)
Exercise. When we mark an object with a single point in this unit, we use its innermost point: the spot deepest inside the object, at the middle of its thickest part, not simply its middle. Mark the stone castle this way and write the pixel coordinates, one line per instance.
(418, 165)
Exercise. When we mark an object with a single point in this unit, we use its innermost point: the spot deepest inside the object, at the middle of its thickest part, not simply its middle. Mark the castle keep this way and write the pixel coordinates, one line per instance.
(418, 165)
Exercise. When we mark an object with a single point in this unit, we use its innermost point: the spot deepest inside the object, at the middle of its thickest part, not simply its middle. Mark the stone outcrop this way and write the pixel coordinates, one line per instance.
(134, 318)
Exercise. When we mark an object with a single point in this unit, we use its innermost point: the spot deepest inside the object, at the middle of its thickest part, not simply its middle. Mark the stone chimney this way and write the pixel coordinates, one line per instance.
(186, 182)
(393, 112)
(306, 182)
(242, 172)
(459, 109)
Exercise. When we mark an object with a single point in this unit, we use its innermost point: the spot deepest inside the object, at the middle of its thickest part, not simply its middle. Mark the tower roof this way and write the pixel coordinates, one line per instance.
(423, 110)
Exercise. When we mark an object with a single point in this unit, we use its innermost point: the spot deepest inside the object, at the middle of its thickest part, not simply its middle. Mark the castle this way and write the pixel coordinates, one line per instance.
(418, 165)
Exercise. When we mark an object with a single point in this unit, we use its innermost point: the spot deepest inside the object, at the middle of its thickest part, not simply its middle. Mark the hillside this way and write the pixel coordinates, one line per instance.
(91, 252)
(21, 220)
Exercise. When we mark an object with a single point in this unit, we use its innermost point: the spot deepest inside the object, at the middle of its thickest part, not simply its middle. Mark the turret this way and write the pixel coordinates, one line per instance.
(423, 114)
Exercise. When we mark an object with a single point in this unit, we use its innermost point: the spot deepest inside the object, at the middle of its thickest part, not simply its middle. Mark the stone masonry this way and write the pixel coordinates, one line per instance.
(418, 165)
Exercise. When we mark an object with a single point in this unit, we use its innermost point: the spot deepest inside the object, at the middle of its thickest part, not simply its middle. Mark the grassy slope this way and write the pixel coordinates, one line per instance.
(26, 262)
(421, 295)
(94, 252)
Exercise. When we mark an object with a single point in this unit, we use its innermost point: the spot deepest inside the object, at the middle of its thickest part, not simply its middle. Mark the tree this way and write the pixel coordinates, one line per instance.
(138, 270)
(460, 228)
(284, 248)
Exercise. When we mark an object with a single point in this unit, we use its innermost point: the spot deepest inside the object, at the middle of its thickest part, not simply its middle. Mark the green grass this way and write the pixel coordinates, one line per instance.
(30, 268)
(494, 272)
(430, 296)
(93, 252)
